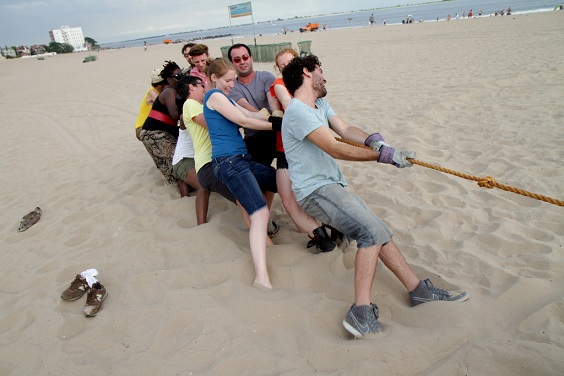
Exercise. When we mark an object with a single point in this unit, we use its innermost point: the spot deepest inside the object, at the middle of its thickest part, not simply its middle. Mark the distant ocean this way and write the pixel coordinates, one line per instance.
(392, 16)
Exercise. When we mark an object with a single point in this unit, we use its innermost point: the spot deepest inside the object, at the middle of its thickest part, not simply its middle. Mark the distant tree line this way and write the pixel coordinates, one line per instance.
(56, 47)
(60, 48)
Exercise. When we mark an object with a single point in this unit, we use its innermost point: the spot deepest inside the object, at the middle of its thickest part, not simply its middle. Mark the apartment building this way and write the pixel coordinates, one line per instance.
(69, 35)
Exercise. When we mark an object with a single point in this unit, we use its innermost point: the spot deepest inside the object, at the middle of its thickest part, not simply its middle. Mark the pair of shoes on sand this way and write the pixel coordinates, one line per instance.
(95, 298)
(362, 321)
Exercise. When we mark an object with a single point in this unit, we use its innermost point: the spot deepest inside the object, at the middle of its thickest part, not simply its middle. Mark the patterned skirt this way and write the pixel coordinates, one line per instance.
(160, 145)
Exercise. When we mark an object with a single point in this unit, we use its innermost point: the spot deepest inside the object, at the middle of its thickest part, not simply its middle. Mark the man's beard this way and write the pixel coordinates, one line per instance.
(319, 87)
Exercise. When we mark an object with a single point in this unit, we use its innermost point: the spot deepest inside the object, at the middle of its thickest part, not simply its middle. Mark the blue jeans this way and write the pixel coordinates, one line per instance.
(333, 205)
(245, 179)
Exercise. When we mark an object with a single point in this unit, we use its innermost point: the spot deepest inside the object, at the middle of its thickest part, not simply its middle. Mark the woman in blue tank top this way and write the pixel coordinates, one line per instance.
(232, 164)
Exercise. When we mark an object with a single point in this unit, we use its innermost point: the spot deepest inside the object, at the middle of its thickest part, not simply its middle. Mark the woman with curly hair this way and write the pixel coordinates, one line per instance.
(160, 130)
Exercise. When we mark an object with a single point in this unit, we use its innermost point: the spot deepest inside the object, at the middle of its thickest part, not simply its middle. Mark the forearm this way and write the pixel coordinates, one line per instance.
(341, 150)
(254, 123)
(354, 134)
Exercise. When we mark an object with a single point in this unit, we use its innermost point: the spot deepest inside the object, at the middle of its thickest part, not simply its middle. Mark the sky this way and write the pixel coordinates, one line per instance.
(28, 22)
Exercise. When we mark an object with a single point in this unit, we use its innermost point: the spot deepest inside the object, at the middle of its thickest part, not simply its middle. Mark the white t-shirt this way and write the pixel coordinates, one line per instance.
(184, 147)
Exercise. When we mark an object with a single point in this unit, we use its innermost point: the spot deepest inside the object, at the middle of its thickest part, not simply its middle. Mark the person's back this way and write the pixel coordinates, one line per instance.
(224, 134)
(200, 135)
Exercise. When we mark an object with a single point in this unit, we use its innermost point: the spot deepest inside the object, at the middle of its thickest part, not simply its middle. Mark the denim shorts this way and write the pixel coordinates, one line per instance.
(245, 179)
(333, 205)
(210, 182)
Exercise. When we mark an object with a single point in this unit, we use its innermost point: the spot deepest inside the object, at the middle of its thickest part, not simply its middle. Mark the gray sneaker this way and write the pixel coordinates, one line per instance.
(94, 299)
(362, 320)
(426, 292)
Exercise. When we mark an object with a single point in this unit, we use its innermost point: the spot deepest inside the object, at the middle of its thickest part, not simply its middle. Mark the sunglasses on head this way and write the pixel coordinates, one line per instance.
(238, 59)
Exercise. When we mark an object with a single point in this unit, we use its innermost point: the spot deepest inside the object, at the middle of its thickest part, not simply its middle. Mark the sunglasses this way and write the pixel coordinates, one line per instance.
(199, 83)
(238, 59)
(177, 76)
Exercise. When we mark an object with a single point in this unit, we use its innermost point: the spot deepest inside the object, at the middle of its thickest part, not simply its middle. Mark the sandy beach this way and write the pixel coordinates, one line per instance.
(478, 96)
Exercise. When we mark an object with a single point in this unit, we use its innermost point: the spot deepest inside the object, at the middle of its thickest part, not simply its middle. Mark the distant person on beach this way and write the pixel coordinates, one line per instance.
(470, 14)
(157, 85)
(200, 56)
(160, 130)
(145, 46)
(319, 185)
(371, 20)
(186, 53)
(303, 221)
(232, 164)
(252, 92)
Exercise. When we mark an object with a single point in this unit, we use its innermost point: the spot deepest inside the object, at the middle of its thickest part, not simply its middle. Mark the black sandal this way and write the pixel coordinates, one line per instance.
(321, 240)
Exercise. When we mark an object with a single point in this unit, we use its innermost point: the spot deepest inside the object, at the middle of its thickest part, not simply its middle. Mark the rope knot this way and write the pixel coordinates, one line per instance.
(487, 182)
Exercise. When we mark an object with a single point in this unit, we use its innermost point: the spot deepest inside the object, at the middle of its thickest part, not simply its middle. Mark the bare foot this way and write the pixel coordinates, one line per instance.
(261, 286)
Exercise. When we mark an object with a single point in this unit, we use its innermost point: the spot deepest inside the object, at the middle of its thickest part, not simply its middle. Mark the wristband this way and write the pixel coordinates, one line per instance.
(373, 137)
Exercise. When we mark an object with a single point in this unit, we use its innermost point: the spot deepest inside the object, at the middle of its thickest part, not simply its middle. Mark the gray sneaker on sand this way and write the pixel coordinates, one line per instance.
(362, 320)
(94, 299)
(77, 288)
(426, 292)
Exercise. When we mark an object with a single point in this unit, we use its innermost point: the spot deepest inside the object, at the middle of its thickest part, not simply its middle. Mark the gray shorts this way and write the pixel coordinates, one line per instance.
(334, 206)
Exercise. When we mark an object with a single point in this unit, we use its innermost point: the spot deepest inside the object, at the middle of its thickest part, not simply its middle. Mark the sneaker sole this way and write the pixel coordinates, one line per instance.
(422, 301)
(352, 330)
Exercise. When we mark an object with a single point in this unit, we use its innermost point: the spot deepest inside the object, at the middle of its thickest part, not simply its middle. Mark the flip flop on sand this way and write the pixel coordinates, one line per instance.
(30, 219)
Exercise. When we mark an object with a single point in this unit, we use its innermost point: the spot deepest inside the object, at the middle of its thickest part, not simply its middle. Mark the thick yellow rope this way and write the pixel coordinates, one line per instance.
(485, 182)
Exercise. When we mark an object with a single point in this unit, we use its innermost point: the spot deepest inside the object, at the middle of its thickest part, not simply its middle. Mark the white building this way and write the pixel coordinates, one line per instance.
(69, 35)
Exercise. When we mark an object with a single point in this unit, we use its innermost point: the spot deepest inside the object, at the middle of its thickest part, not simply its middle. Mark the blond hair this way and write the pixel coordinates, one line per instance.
(290, 51)
(219, 67)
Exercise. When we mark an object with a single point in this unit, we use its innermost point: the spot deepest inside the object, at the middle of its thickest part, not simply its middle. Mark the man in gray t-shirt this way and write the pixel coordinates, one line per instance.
(252, 91)
(312, 150)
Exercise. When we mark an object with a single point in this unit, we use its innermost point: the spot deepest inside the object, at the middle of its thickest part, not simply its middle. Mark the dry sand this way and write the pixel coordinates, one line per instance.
(480, 96)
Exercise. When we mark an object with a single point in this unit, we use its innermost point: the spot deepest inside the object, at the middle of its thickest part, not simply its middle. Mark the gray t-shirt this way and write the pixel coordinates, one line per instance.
(254, 93)
(310, 167)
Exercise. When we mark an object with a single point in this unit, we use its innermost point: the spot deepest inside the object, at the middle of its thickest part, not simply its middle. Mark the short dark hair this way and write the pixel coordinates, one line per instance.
(187, 45)
(198, 49)
(237, 45)
(182, 86)
(293, 73)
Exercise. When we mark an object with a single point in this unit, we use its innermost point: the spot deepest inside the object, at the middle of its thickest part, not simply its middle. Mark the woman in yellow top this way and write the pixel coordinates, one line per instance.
(157, 85)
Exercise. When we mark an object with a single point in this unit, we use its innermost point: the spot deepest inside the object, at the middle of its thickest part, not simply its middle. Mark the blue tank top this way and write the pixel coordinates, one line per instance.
(224, 134)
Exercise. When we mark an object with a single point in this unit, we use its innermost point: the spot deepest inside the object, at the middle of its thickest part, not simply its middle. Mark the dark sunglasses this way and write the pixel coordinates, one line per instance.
(178, 76)
(237, 59)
